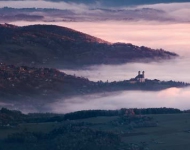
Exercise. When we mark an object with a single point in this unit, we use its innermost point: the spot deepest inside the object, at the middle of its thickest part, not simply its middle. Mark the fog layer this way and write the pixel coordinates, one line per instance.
(172, 98)
(176, 70)
(172, 12)
(172, 37)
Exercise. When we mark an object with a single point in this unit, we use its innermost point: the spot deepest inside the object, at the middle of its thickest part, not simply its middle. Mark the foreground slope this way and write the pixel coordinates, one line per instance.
(154, 128)
(54, 46)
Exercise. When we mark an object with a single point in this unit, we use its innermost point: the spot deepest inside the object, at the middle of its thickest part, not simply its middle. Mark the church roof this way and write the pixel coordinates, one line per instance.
(139, 76)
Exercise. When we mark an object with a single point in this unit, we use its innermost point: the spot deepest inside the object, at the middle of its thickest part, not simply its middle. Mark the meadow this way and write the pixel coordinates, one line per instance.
(151, 131)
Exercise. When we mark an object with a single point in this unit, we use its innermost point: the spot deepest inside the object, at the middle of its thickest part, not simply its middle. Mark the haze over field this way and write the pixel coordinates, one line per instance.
(168, 28)
(171, 98)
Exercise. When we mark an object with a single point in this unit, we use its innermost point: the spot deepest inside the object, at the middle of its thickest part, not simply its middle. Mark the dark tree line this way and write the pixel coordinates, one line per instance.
(96, 113)
(16, 117)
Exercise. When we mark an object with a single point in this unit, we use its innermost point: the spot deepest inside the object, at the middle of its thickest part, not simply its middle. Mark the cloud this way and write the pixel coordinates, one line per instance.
(113, 3)
(173, 12)
(179, 11)
(167, 7)
(44, 4)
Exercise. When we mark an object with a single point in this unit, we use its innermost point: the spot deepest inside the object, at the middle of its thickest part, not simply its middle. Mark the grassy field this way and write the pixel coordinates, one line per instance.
(172, 131)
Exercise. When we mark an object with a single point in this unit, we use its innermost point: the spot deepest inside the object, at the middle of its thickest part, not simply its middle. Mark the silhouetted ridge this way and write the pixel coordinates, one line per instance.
(63, 32)
(54, 46)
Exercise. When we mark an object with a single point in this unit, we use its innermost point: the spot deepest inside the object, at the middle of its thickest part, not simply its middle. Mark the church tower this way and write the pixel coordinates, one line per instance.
(143, 74)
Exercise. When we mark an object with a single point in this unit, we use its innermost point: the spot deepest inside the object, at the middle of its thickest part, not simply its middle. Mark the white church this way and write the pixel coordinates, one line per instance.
(140, 78)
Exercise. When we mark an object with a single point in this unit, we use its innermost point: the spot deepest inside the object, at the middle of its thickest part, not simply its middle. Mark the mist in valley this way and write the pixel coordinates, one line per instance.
(171, 36)
(170, 98)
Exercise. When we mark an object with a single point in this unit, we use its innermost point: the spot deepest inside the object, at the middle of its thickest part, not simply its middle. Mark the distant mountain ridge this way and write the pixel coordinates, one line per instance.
(54, 46)
(8, 14)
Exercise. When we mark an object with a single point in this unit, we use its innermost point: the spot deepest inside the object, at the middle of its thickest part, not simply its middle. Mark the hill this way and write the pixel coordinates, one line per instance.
(29, 86)
(29, 83)
(54, 46)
